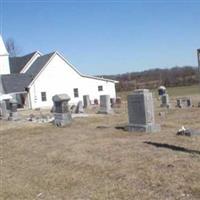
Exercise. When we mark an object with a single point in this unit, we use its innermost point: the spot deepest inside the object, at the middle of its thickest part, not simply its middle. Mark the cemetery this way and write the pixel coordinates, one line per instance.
(78, 139)
(75, 152)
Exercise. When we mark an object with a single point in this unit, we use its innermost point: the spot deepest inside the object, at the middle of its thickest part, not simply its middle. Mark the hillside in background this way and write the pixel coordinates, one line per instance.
(153, 78)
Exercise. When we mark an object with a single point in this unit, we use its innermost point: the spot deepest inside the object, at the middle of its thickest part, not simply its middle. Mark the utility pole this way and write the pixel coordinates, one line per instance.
(1, 17)
(198, 58)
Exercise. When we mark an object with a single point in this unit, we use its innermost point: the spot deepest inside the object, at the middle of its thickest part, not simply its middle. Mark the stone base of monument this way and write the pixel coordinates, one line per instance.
(4, 116)
(149, 128)
(165, 106)
(104, 111)
(62, 119)
(13, 116)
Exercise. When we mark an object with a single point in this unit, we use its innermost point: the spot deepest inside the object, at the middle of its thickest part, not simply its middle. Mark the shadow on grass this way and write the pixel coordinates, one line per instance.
(172, 147)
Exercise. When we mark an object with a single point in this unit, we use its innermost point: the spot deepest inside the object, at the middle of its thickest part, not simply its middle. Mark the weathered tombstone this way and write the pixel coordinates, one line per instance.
(184, 102)
(96, 102)
(118, 100)
(13, 109)
(86, 101)
(73, 108)
(3, 111)
(105, 107)
(112, 102)
(141, 112)
(62, 114)
(165, 100)
(79, 107)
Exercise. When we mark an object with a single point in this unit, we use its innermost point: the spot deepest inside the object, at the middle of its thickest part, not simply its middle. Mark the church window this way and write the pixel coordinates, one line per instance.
(100, 88)
(76, 92)
(43, 96)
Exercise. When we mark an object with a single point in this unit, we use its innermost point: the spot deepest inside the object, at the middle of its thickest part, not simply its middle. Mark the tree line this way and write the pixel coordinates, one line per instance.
(153, 78)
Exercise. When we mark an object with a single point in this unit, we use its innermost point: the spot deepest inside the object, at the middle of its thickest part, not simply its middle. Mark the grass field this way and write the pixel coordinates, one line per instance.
(83, 162)
(184, 91)
(172, 91)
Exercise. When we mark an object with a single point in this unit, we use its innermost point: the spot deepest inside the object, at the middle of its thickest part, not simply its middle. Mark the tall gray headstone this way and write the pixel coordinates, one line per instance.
(4, 114)
(79, 107)
(165, 100)
(62, 114)
(105, 107)
(141, 112)
(86, 101)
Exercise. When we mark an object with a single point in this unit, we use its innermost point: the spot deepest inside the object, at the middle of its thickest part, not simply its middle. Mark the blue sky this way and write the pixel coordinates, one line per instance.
(107, 37)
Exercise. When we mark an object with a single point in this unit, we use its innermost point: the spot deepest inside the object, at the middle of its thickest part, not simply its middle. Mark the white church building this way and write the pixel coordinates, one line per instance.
(34, 78)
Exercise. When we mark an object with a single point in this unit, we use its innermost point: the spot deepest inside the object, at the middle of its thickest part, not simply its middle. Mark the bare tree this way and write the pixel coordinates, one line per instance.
(12, 48)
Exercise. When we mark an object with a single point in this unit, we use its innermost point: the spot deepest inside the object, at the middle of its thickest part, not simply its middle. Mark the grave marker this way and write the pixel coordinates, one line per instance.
(141, 112)
(86, 101)
(184, 102)
(62, 112)
(165, 100)
(105, 107)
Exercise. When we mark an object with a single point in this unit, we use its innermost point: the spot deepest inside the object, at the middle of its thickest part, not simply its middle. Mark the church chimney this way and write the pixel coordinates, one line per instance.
(4, 58)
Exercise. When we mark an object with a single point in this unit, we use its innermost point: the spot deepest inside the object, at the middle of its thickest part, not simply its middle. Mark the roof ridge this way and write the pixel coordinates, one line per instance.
(33, 53)
(39, 64)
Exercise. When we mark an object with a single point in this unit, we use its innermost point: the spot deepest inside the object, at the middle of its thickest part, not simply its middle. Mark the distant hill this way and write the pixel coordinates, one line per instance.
(153, 78)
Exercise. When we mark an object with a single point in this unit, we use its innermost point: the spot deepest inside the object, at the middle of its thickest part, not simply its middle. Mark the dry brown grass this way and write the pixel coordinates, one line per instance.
(40, 161)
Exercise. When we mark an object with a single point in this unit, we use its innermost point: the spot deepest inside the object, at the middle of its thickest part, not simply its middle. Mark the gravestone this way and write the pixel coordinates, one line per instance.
(73, 108)
(86, 101)
(184, 102)
(13, 115)
(118, 100)
(62, 114)
(79, 107)
(112, 102)
(4, 114)
(105, 107)
(165, 100)
(96, 102)
(141, 112)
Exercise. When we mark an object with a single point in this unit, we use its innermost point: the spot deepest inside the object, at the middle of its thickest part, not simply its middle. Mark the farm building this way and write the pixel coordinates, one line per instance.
(34, 78)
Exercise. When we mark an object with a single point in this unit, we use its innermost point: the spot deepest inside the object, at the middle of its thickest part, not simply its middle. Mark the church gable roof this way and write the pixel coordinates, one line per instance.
(18, 63)
(15, 83)
(38, 65)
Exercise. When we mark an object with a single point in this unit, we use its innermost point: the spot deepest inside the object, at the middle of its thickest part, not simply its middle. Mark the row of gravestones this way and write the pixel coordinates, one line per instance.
(62, 112)
(105, 106)
(8, 109)
(183, 102)
(140, 110)
(103, 99)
